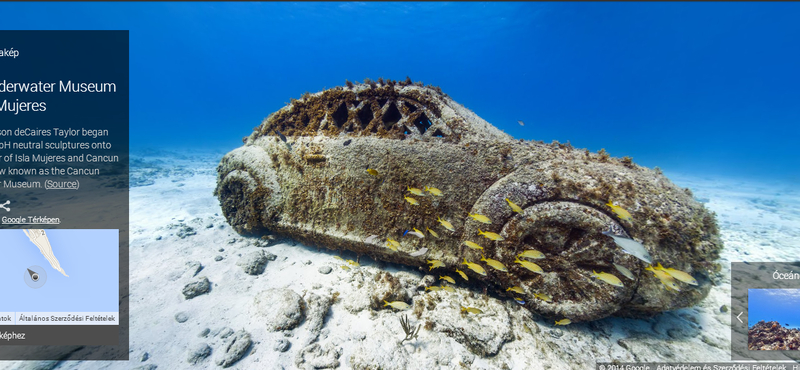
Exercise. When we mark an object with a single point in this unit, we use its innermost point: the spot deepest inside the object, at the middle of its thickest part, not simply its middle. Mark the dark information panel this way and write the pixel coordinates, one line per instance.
(63, 165)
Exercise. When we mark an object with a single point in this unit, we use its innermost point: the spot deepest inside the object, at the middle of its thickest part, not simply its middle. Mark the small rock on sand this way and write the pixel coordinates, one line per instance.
(234, 348)
(325, 270)
(198, 353)
(193, 268)
(181, 317)
(282, 309)
(282, 345)
(196, 288)
(253, 263)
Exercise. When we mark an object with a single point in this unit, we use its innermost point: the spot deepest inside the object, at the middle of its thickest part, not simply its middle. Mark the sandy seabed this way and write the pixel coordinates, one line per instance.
(179, 236)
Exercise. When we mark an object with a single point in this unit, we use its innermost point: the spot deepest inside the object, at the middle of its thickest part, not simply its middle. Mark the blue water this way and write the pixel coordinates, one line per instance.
(89, 257)
(708, 88)
(774, 305)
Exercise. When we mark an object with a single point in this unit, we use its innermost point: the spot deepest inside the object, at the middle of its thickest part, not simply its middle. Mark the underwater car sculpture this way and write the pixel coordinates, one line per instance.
(402, 173)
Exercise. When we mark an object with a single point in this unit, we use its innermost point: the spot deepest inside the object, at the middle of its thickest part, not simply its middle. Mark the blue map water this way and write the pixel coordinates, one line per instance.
(701, 88)
(779, 305)
(89, 257)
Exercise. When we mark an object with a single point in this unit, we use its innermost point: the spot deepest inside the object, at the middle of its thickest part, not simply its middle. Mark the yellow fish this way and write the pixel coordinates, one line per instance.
(490, 235)
(564, 322)
(434, 191)
(338, 258)
(543, 297)
(372, 172)
(480, 218)
(474, 267)
(530, 266)
(415, 191)
(398, 305)
(608, 278)
(411, 200)
(345, 267)
(516, 289)
(472, 245)
(513, 206)
(494, 263)
(448, 289)
(532, 253)
(433, 288)
(392, 244)
(432, 232)
(447, 279)
(471, 310)
(435, 263)
(620, 212)
(463, 275)
(446, 224)
(680, 275)
(664, 277)
(353, 263)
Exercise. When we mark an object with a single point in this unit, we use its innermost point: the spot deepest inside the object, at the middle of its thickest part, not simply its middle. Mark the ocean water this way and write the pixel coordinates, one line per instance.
(774, 305)
(702, 88)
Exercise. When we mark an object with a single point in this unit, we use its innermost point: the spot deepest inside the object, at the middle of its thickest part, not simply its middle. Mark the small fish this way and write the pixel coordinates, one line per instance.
(392, 244)
(445, 224)
(447, 279)
(532, 253)
(471, 310)
(474, 267)
(473, 245)
(433, 288)
(543, 297)
(624, 271)
(435, 263)
(411, 200)
(416, 233)
(630, 246)
(415, 191)
(564, 322)
(516, 289)
(608, 278)
(521, 123)
(448, 289)
(664, 277)
(497, 265)
(680, 275)
(463, 275)
(419, 252)
(345, 267)
(519, 300)
(480, 218)
(398, 305)
(435, 235)
(372, 172)
(530, 266)
(490, 235)
(338, 258)
(434, 191)
(620, 212)
(353, 263)
(513, 206)
(280, 135)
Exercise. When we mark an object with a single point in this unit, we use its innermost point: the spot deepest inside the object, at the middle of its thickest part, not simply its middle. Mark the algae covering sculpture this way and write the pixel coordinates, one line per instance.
(404, 174)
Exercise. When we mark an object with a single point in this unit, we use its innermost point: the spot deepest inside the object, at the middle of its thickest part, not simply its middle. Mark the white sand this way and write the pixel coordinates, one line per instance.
(759, 222)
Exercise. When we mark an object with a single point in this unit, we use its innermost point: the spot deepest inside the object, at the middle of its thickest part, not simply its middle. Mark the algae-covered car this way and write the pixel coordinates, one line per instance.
(402, 173)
